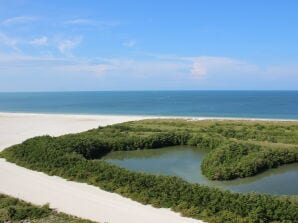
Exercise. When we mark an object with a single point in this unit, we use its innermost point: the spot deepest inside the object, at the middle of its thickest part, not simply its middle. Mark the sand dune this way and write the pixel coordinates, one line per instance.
(78, 199)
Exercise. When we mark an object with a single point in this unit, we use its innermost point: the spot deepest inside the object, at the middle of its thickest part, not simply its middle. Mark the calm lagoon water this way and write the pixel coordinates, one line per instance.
(241, 104)
(185, 162)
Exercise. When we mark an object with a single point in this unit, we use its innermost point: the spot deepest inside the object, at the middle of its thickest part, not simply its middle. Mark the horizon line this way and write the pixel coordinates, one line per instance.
(182, 90)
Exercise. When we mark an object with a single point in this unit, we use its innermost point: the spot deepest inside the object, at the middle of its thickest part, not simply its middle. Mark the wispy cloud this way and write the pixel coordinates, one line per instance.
(144, 68)
(92, 22)
(116, 66)
(130, 43)
(66, 45)
(81, 22)
(197, 71)
(205, 65)
(16, 43)
(18, 20)
(22, 63)
(9, 41)
(41, 41)
(85, 68)
(181, 67)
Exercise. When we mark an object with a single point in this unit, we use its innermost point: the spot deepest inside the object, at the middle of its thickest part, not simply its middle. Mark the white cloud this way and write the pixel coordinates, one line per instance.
(80, 22)
(198, 70)
(15, 43)
(63, 45)
(204, 66)
(71, 65)
(21, 62)
(209, 65)
(18, 20)
(130, 43)
(42, 41)
(66, 45)
(91, 22)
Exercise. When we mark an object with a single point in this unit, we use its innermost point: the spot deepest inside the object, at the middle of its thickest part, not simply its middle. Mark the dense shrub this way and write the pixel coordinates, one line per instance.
(15, 210)
(244, 159)
(205, 141)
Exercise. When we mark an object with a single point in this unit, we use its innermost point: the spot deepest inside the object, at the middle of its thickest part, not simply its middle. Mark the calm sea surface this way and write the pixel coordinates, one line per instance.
(185, 162)
(250, 104)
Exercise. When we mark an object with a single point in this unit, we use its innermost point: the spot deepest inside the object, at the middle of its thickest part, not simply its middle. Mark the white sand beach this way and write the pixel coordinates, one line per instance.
(78, 199)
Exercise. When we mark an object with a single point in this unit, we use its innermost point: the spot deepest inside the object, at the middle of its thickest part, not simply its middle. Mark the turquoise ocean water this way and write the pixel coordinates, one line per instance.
(239, 104)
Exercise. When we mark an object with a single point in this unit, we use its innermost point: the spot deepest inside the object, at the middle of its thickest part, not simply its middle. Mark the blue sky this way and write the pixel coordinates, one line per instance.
(148, 45)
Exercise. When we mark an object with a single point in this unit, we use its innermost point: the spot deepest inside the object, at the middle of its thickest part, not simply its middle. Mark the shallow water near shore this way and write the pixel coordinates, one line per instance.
(185, 162)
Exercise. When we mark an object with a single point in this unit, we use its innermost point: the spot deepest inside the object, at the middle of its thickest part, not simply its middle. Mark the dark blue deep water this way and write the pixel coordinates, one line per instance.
(248, 104)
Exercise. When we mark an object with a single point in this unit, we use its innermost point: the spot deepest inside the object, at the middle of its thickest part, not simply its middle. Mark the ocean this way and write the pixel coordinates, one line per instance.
(226, 104)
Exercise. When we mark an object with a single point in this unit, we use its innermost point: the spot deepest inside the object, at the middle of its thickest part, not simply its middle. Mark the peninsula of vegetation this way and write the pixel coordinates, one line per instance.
(236, 149)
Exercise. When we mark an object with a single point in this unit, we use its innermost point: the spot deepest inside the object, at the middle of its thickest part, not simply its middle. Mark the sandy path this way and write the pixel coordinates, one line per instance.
(74, 198)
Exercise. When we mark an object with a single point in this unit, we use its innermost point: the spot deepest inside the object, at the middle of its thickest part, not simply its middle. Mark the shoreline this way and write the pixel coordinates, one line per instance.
(140, 117)
(78, 199)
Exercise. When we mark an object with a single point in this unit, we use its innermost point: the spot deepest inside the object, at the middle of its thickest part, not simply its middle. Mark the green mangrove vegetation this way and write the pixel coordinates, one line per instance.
(239, 159)
(236, 149)
(15, 210)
